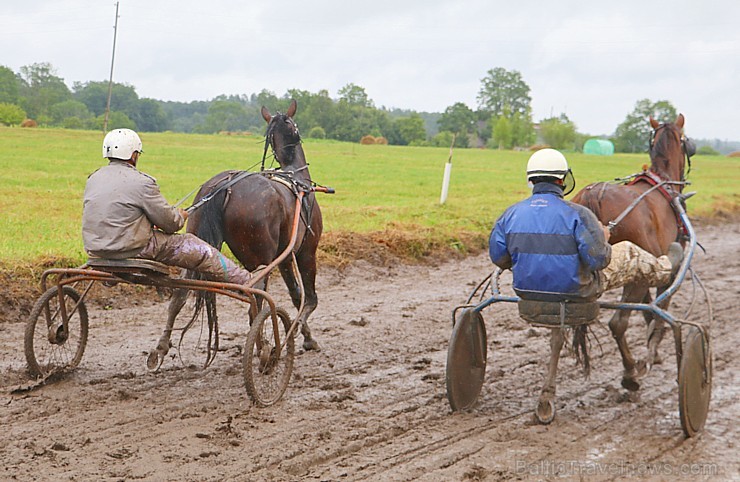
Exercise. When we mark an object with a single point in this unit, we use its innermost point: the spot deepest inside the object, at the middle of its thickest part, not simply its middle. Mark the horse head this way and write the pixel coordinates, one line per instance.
(668, 149)
(283, 138)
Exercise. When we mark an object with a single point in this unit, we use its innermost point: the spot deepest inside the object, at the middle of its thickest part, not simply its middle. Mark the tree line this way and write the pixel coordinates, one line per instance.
(502, 118)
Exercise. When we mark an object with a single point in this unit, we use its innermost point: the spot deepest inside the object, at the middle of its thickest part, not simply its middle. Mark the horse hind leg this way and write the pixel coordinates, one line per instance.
(297, 297)
(156, 356)
(545, 411)
(618, 325)
(655, 330)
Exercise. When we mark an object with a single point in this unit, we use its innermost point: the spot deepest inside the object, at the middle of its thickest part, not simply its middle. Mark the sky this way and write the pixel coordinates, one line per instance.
(591, 60)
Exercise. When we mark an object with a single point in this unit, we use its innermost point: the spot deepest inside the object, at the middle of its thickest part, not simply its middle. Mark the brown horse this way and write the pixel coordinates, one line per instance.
(254, 218)
(651, 224)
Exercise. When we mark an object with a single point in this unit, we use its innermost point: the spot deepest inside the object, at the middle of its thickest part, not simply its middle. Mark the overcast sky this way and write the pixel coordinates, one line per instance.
(591, 60)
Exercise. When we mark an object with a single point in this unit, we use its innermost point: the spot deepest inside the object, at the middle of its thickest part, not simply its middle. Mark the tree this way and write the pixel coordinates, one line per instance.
(150, 117)
(11, 114)
(318, 113)
(116, 120)
(354, 95)
(504, 90)
(558, 132)
(504, 93)
(411, 129)
(8, 86)
(69, 108)
(502, 135)
(41, 88)
(522, 130)
(458, 119)
(224, 116)
(633, 134)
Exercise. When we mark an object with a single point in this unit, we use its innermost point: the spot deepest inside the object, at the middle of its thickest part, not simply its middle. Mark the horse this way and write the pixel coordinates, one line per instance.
(254, 217)
(649, 222)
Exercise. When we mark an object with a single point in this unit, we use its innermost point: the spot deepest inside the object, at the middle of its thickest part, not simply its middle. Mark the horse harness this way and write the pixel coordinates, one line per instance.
(656, 183)
(286, 178)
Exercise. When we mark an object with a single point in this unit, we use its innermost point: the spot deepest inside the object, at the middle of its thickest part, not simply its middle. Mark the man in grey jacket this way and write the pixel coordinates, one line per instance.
(124, 215)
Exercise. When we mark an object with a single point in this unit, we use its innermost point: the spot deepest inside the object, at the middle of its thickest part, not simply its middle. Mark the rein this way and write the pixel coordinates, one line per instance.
(225, 184)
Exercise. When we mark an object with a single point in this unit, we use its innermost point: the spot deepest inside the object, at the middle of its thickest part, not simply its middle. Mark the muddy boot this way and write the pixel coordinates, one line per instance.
(675, 256)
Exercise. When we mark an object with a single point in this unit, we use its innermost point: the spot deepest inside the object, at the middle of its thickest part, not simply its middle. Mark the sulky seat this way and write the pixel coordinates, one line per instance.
(558, 313)
(135, 270)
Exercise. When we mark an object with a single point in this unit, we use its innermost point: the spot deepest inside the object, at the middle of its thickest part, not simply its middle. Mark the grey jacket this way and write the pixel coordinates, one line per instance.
(121, 207)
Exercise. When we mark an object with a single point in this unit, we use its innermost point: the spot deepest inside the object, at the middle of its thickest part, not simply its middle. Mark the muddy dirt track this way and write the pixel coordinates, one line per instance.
(372, 405)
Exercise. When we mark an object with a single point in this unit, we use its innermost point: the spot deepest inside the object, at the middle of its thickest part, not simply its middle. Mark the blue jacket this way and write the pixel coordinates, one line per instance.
(554, 248)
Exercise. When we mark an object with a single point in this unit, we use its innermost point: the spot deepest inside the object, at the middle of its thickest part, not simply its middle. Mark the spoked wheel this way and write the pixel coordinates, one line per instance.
(695, 382)
(268, 366)
(49, 345)
(466, 360)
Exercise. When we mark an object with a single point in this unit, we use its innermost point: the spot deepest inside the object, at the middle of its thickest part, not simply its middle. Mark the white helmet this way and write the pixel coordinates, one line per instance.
(547, 162)
(121, 144)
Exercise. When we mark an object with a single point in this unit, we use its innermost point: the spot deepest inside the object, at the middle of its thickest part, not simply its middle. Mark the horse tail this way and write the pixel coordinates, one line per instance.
(211, 222)
(211, 230)
(580, 347)
(205, 300)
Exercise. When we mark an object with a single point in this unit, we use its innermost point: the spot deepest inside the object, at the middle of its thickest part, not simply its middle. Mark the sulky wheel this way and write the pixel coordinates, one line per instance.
(466, 360)
(49, 347)
(267, 367)
(695, 382)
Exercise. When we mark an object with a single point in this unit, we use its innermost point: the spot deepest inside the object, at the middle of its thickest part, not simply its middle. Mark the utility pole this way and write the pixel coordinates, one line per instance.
(110, 81)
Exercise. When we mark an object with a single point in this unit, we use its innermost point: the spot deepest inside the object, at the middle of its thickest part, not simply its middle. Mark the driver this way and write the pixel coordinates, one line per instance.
(125, 216)
(559, 250)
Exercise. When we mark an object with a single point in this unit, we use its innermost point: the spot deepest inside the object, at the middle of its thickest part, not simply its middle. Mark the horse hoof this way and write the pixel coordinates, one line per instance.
(311, 345)
(545, 411)
(630, 384)
(154, 360)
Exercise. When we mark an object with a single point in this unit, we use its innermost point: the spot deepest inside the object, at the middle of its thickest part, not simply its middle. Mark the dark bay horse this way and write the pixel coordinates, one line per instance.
(254, 218)
(651, 224)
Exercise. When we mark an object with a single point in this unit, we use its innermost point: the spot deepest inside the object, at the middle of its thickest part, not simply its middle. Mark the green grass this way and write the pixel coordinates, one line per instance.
(44, 173)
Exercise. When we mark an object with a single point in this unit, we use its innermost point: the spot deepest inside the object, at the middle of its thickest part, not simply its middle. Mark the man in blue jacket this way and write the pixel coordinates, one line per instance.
(559, 250)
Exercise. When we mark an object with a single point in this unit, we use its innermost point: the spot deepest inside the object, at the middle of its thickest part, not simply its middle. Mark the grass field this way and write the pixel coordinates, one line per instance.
(379, 188)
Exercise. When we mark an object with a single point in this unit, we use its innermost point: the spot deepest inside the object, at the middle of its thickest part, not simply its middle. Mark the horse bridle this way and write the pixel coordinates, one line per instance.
(685, 141)
(270, 132)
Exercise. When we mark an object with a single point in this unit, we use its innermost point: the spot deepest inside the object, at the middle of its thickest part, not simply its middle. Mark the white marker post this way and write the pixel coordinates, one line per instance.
(448, 170)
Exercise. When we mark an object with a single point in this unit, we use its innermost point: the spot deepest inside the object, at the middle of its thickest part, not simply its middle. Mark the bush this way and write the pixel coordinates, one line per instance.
(11, 114)
(706, 151)
(317, 132)
(73, 122)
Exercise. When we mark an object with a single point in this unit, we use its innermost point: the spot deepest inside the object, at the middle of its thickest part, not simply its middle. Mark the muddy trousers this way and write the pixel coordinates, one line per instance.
(190, 252)
(632, 264)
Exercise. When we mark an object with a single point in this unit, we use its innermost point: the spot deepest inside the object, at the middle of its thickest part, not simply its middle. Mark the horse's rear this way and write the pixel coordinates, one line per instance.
(255, 219)
(650, 223)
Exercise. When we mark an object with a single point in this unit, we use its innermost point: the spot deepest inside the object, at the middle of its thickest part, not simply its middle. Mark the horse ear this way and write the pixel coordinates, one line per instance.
(292, 108)
(653, 123)
(679, 121)
(266, 114)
